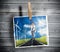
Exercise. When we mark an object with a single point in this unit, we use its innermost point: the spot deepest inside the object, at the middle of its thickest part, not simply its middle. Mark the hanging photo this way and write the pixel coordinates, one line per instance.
(30, 32)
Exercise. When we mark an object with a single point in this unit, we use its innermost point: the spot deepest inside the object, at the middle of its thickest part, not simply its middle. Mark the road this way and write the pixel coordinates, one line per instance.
(31, 42)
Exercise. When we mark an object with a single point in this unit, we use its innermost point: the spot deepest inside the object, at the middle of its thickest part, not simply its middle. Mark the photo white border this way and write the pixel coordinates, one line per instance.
(32, 45)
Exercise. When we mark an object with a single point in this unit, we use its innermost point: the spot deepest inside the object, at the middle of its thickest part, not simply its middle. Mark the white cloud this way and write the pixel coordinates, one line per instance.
(43, 31)
(29, 32)
(27, 26)
(41, 23)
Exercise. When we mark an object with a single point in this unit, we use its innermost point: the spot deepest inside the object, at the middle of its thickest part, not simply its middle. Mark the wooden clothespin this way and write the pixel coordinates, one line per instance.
(29, 10)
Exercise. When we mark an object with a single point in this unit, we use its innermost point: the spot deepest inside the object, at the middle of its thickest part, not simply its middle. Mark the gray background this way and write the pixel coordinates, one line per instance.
(9, 8)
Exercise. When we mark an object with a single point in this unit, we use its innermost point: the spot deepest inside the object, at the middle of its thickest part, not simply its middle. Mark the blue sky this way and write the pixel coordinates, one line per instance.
(23, 23)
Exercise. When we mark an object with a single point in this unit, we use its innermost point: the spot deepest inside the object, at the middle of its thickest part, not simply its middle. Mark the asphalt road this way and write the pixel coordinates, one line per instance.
(31, 42)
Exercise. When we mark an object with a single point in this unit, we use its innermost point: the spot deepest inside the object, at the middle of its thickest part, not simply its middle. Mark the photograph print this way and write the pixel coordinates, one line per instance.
(30, 32)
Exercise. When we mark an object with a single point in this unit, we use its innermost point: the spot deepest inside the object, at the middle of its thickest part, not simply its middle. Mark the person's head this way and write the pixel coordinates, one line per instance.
(32, 23)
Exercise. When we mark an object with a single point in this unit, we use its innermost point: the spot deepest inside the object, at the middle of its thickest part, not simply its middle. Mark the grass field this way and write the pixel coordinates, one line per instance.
(42, 39)
(20, 42)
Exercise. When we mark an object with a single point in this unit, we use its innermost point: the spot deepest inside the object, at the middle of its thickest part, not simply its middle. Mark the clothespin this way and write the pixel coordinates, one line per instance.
(20, 11)
(29, 10)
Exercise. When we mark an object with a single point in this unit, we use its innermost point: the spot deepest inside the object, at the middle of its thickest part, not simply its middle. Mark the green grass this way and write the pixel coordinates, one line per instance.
(42, 39)
(20, 42)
